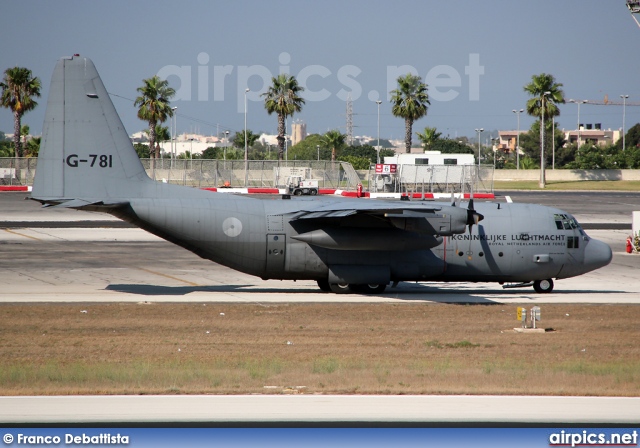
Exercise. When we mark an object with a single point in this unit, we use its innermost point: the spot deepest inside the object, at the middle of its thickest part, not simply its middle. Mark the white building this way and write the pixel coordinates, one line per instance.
(430, 158)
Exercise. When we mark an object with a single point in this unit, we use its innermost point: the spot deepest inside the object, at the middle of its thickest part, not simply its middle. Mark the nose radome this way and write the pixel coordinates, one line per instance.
(597, 254)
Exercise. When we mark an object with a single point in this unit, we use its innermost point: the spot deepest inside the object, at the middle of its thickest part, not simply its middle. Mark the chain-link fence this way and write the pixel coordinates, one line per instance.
(203, 173)
(434, 179)
(206, 173)
(17, 171)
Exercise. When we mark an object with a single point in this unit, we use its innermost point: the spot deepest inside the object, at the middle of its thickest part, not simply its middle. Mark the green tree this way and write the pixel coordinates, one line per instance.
(308, 149)
(154, 107)
(32, 147)
(6, 149)
(546, 94)
(530, 144)
(283, 98)
(448, 146)
(428, 137)
(142, 150)
(335, 140)
(238, 139)
(19, 87)
(212, 153)
(632, 137)
(358, 163)
(365, 152)
(410, 101)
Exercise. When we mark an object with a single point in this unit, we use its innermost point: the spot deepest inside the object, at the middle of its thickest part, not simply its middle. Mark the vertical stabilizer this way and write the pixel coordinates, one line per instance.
(85, 151)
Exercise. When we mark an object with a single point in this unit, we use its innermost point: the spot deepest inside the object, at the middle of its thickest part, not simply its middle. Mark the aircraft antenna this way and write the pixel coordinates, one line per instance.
(349, 120)
(634, 9)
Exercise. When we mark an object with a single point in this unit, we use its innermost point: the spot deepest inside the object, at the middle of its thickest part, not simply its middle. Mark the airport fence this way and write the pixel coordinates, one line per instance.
(433, 179)
(207, 173)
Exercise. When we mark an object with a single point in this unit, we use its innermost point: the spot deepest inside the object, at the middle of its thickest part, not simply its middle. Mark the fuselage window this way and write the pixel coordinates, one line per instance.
(573, 242)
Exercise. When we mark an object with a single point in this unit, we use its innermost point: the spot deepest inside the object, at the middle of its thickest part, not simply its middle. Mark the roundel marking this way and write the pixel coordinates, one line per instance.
(232, 227)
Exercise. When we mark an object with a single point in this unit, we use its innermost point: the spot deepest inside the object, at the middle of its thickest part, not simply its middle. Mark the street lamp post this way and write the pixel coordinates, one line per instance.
(174, 134)
(494, 149)
(579, 102)
(518, 112)
(479, 131)
(318, 149)
(378, 102)
(226, 145)
(246, 160)
(543, 180)
(624, 112)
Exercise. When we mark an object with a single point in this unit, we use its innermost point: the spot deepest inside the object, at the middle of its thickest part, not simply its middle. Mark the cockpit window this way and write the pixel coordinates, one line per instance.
(565, 222)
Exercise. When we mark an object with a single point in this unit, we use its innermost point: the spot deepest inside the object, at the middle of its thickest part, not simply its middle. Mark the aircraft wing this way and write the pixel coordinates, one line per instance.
(434, 220)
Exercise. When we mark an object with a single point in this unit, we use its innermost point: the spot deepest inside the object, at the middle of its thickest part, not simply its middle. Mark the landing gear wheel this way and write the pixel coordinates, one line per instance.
(340, 288)
(324, 285)
(371, 288)
(543, 286)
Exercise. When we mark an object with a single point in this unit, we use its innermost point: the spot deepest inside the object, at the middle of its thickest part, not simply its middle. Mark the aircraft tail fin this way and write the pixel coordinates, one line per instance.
(85, 152)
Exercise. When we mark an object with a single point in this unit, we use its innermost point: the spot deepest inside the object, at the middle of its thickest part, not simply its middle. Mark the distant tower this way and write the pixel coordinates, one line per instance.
(349, 120)
(298, 131)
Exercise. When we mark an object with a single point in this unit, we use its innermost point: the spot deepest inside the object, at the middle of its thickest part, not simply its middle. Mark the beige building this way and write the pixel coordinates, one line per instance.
(586, 134)
(298, 131)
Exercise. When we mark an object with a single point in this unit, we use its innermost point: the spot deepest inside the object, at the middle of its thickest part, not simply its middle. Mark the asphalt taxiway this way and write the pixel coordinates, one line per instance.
(57, 255)
(61, 255)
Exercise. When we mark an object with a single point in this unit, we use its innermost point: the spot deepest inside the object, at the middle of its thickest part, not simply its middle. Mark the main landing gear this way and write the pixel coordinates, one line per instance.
(543, 286)
(346, 288)
(540, 286)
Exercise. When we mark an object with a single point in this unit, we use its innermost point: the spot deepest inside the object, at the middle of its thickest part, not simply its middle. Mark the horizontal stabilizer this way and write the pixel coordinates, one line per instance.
(81, 203)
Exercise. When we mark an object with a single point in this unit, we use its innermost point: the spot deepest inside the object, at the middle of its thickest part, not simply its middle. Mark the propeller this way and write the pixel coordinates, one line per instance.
(473, 217)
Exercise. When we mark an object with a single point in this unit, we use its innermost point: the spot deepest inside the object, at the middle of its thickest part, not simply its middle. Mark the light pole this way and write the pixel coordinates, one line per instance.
(518, 112)
(479, 131)
(174, 135)
(624, 112)
(318, 149)
(246, 160)
(543, 180)
(494, 148)
(378, 102)
(579, 102)
(226, 145)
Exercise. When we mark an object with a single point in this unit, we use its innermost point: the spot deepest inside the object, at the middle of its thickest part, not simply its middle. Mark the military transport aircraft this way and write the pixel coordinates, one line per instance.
(87, 162)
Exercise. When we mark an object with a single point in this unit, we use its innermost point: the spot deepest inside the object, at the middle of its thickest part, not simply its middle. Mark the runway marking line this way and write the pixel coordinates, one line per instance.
(169, 276)
(22, 234)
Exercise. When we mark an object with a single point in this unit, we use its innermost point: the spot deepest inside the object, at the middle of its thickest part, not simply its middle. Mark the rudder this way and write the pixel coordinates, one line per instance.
(85, 152)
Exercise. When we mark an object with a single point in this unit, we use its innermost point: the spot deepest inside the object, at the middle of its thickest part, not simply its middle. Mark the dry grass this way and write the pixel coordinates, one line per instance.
(327, 348)
(579, 185)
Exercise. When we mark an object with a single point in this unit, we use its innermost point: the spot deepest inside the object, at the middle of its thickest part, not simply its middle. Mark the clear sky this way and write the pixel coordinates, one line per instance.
(476, 57)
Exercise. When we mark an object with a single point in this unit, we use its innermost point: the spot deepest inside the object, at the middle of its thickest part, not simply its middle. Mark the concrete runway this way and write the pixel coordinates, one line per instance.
(304, 410)
(59, 256)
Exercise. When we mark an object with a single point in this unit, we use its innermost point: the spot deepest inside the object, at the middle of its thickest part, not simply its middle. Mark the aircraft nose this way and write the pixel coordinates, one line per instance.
(597, 254)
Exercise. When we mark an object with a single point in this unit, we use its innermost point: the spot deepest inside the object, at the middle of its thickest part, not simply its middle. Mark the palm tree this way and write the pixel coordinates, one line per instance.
(428, 137)
(283, 98)
(154, 107)
(410, 101)
(538, 88)
(238, 139)
(334, 140)
(18, 89)
(546, 93)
